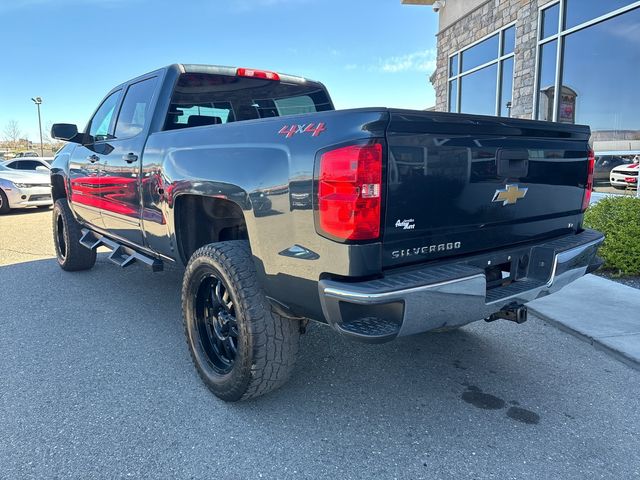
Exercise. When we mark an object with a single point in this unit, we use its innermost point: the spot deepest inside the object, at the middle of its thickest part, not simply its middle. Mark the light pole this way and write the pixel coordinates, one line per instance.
(38, 102)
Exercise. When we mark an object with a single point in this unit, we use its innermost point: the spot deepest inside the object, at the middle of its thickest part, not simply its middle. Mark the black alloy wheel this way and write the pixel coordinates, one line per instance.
(240, 346)
(216, 323)
(61, 244)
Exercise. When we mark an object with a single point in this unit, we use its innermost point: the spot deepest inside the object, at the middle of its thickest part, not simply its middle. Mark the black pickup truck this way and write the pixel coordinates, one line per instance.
(376, 221)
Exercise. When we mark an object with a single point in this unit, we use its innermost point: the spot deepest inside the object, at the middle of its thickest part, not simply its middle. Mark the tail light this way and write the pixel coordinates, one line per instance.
(591, 163)
(349, 192)
(251, 73)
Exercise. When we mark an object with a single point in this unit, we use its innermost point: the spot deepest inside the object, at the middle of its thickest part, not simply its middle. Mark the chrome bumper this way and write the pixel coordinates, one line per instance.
(454, 294)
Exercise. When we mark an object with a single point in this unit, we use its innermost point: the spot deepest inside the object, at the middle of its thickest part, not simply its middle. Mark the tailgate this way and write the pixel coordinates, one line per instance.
(459, 184)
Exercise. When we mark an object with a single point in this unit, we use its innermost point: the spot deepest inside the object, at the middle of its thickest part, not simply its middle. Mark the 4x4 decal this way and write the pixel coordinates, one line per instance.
(312, 128)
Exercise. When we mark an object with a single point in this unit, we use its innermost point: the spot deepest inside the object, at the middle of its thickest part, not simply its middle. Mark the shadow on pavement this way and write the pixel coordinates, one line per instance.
(95, 365)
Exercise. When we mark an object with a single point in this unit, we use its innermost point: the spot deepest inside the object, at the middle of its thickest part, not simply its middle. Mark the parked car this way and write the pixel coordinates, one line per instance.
(604, 165)
(625, 176)
(30, 163)
(400, 221)
(21, 189)
(29, 153)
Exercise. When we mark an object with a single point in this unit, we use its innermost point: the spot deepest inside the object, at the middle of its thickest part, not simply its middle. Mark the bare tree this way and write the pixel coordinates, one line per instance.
(12, 133)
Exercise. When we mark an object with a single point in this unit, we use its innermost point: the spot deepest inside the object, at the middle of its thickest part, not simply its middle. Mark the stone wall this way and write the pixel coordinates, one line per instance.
(482, 21)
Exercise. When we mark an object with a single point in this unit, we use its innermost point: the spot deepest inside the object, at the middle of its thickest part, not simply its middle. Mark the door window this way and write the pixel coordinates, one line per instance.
(30, 165)
(100, 124)
(135, 108)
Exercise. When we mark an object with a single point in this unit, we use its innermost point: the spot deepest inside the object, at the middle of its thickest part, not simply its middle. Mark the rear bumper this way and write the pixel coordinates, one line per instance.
(452, 294)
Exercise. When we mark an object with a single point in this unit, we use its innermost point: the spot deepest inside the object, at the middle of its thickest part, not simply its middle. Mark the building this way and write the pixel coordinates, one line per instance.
(510, 57)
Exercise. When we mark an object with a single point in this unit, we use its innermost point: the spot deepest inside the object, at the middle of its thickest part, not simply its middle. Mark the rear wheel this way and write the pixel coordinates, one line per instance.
(4, 203)
(241, 348)
(71, 255)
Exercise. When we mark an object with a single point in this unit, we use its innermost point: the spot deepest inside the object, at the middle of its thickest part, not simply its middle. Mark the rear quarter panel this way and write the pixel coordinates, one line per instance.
(270, 177)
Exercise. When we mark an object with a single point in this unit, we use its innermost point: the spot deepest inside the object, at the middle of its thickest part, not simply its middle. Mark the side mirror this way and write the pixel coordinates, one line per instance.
(65, 131)
(41, 168)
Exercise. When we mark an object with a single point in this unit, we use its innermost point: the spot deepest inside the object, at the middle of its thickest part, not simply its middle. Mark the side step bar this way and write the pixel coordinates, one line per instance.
(121, 255)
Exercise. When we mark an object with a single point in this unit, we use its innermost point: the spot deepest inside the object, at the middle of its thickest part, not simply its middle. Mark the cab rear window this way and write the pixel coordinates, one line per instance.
(210, 99)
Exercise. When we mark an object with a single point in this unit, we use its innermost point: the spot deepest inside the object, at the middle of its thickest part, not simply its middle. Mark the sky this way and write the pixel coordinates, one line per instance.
(369, 53)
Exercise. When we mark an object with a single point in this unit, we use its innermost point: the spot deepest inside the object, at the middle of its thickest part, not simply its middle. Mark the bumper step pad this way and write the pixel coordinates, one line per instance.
(371, 329)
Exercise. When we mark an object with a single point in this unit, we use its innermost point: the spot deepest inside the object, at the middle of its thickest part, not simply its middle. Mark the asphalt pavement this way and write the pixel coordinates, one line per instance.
(96, 382)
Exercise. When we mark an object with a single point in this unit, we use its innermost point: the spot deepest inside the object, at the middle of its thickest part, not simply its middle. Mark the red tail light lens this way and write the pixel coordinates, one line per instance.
(349, 192)
(249, 72)
(591, 163)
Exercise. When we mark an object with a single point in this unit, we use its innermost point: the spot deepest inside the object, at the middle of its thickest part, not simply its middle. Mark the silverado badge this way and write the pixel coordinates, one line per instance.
(509, 195)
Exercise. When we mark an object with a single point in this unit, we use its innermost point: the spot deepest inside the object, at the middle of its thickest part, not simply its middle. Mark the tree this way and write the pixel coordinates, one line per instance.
(12, 133)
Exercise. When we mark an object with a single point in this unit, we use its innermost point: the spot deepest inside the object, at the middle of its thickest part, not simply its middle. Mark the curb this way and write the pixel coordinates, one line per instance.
(630, 361)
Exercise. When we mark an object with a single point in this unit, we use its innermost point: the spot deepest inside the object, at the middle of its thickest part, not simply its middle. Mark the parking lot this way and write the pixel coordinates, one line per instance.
(96, 382)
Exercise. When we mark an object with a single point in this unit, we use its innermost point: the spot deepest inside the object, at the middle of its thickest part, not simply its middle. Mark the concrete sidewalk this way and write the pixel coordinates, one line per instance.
(600, 311)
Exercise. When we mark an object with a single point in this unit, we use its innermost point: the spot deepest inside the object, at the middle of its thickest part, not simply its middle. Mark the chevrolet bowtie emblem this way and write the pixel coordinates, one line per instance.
(509, 195)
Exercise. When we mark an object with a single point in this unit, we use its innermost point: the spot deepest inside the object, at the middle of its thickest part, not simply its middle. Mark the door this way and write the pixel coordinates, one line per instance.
(85, 164)
(120, 179)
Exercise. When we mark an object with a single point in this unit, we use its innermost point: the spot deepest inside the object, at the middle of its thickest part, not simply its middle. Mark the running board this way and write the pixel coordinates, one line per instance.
(121, 255)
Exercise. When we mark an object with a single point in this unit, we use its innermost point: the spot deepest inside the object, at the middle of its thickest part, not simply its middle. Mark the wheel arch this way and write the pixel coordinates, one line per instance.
(202, 219)
(58, 187)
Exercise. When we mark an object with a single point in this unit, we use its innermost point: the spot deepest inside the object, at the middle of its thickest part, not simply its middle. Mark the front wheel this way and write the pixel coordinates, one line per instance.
(241, 348)
(71, 254)
(4, 203)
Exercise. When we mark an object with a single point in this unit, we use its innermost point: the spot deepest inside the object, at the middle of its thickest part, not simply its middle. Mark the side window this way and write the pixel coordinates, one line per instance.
(30, 165)
(135, 108)
(14, 165)
(100, 125)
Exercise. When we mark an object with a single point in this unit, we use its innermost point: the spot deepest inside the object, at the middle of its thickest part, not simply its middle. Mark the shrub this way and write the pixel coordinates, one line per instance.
(619, 219)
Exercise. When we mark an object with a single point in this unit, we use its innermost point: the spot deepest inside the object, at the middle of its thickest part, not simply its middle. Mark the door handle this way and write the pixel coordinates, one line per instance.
(130, 157)
(93, 158)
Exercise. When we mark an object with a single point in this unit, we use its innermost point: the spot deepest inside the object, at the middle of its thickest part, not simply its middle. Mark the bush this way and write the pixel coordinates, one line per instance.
(619, 219)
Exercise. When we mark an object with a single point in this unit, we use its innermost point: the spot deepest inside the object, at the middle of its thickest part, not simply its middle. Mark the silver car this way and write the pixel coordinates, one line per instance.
(31, 164)
(21, 189)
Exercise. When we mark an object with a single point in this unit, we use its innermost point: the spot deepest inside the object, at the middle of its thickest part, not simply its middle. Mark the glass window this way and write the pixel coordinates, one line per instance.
(480, 54)
(600, 78)
(100, 126)
(506, 90)
(236, 96)
(478, 91)
(508, 40)
(209, 114)
(295, 105)
(453, 96)
(30, 165)
(453, 65)
(550, 19)
(135, 108)
(580, 11)
(546, 80)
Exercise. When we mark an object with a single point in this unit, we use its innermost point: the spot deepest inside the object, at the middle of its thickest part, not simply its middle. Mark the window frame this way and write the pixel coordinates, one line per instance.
(499, 60)
(560, 35)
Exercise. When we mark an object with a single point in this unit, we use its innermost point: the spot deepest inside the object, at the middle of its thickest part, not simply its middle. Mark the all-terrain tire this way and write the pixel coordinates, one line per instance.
(4, 203)
(72, 256)
(265, 345)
